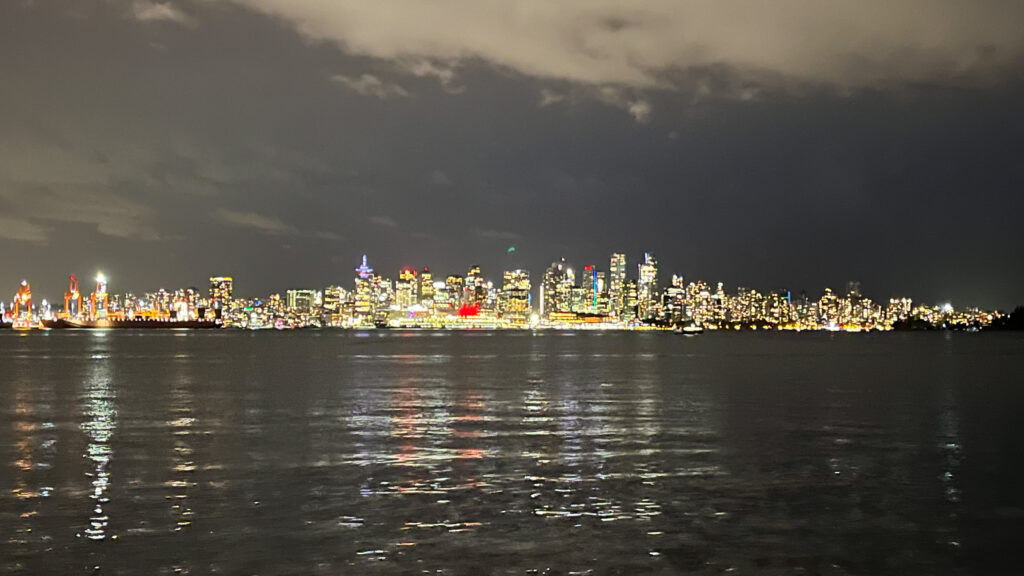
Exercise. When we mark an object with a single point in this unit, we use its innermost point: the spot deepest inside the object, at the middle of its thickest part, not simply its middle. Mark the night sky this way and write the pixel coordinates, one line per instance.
(786, 144)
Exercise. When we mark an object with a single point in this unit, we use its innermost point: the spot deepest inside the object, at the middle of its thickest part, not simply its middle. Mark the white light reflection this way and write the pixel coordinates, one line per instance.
(949, 432)
(99, 416)
(182, 425)
(35, 448)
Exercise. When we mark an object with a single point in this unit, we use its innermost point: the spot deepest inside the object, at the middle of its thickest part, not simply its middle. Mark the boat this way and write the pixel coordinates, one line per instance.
(24, 324)
(125, 323)
(688, 330)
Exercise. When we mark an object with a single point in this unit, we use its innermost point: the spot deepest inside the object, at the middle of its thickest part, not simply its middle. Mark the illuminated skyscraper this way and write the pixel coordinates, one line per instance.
(475, 287)
(616, 284)
(334, 298)
(556, 289)
(594, 291)
(674, 300)
(629, 300)
(426, 288)
(453, 292)
(365, 303)
(221, 291)
(383, 293)
(301, 301)
(647, 288)
(601, 300)
(406, 288)
(516, 294)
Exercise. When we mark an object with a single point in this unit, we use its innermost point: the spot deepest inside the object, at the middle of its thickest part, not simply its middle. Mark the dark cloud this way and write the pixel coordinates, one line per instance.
(605, 42)
(278, 141)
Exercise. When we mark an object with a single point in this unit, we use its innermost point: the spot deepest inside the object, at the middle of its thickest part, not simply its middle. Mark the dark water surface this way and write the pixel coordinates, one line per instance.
(510, 453)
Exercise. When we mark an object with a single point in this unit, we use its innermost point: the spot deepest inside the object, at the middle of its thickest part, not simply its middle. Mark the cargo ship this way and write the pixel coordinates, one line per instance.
(691, 329)
(137, 323)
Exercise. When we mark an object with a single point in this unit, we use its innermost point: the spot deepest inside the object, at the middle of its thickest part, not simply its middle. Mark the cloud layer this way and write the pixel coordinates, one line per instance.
(642, 43)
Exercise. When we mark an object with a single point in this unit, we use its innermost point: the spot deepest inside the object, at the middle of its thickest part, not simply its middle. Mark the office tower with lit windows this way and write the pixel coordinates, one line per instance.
(301, 301)
(475, 287)
(674, 300)
(556, 289)
(595, 295)
(452, 292)
(588, 287)
(629, 300)
(616, 284)
(383, 295)
(601, 297)
(425, 292)
(334, 297)
(515, 295)
(406, 289)
(564, 293)
(647, 288)
(221, 291)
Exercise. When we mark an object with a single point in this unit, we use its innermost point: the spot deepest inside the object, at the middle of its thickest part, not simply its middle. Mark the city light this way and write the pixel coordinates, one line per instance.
(598, 299)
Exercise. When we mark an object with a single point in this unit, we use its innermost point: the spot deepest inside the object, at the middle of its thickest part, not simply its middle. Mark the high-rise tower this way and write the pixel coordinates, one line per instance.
(616, 284)
(647, 288)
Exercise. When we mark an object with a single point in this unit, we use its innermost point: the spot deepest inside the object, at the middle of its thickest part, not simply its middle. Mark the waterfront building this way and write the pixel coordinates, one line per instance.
(406, 289)
(426, 288)
(475, 287)
(647, 288)
(453, 292)
(591, 283)
(301, 301)
(674, 300)
(557, 289)
(515, 291)
(334, 298)
(629, 299)
(222, 288)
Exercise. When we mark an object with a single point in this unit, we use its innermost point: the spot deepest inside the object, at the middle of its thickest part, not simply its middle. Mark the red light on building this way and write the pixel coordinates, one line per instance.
(468, 311)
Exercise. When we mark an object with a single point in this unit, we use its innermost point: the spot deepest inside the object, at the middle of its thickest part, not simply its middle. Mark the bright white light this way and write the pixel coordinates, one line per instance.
(947, 307)
(101, 279)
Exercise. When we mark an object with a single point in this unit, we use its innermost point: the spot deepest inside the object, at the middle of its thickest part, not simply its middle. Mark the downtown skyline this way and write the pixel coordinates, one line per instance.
(562, 295)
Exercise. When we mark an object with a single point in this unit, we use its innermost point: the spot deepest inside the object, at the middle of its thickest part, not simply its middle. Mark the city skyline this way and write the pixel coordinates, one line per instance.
(493, 274)
(563, 296)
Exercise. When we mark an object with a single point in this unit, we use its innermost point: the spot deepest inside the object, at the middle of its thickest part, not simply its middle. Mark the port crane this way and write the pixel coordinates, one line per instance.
(72, 299)
(98, 302)
(21, 313)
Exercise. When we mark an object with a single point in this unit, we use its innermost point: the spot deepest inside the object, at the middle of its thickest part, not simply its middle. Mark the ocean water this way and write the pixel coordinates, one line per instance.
(384, 452)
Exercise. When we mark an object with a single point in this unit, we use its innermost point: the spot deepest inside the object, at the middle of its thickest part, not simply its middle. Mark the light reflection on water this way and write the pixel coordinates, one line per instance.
(99, 421)
(345, 453)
